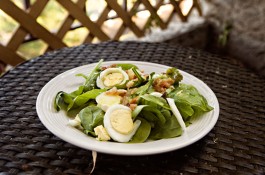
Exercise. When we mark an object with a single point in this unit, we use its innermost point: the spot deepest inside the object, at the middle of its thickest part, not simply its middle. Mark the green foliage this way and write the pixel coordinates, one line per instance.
(91, 79)
(91, 117)
(142, 132)
(224, 35)
(155, 114)
(189, 101)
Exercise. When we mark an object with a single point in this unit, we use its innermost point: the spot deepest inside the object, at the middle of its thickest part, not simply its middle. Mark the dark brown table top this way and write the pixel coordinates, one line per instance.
(236, 145)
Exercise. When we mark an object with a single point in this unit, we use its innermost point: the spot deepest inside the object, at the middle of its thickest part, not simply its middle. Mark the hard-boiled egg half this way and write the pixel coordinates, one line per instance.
(111, 77)
(119, 124)
(104, 100)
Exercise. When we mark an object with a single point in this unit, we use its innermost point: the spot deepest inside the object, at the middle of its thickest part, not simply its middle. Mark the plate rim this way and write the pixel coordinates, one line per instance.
(150, 151)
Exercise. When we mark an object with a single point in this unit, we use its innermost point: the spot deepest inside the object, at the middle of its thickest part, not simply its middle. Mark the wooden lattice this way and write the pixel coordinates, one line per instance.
(29, 25)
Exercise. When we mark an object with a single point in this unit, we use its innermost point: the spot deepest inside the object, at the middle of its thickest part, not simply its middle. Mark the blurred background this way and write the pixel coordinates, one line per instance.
(233, 28)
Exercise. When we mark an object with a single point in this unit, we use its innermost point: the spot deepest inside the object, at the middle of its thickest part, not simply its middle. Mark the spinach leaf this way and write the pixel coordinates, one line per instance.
(91, 79)
(127, 66)
(83, 98)
(150, 117)
(189, 101)
(75, 101)
(147, 88)
(59, 102)
(74, 111)
(142, 132)
(77, 92)
(185, 110)
(159, 116)
(149, 113)
(91, 117)
(153, 101)
(69, 98)
(140, 79)
(66, 101)
(174, 74)
(163, 124)
(170, 129)
(137, 111)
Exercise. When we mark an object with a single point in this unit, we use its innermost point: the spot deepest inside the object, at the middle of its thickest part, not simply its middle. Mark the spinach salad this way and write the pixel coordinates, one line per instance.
(124, 104)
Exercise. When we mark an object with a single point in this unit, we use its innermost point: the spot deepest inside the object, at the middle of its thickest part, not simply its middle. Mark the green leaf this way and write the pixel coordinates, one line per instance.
(149, 113)
(170, 129)
(67, 98)
(185, 110)
(85, 97)
(160, 118)
(91, 79)
(59, 102)
(137, 111)
(82, 75)
(122, 86)
(166, 113)
(189, 101)
(145, 88)
(150, 117)
(155, 100)
(127, 66)
(74, 111)
(91, 117)
(140, 79)
(174, 74)
(142, 132)
(77, 92)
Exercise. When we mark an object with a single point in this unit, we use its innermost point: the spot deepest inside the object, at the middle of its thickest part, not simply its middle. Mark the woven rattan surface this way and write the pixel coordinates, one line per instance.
(236, 145)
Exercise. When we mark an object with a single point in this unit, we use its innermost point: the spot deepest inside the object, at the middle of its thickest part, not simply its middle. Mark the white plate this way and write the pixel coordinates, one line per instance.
(56, 122)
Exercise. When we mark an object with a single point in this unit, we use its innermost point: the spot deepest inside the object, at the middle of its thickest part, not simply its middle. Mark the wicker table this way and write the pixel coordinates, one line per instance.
(235, 145)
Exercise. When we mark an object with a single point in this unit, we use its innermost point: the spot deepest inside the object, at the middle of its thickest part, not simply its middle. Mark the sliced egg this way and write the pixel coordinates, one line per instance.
(101, 133)
(156, 76)
(156, 94)
(76, 122)
(104, 101)
(119, 124)
(111, 77)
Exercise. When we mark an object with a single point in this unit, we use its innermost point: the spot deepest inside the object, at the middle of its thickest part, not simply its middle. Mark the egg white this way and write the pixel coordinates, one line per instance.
(103, 74)
(156, 94)
(104, 101)
(112, 132)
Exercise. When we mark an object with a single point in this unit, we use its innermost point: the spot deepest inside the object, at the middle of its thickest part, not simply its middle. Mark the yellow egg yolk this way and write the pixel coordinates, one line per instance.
(121, 121)
(105, 101)
(113, 79)
(102, 134)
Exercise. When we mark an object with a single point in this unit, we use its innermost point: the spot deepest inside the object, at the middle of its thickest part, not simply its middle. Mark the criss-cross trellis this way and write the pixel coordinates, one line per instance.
(76, 11)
